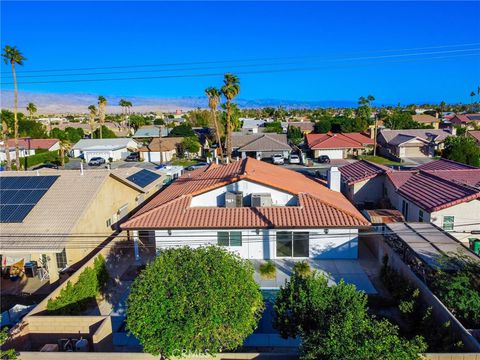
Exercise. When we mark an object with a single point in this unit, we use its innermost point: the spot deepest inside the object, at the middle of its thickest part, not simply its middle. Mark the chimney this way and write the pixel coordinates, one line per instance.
(334, 178)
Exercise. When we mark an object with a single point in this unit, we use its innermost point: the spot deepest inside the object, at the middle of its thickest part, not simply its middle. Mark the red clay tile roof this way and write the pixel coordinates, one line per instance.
(318, 205)
(33, 143)
(431, 192)
(465, 118)
(362, 170)
(338, 141)
(445, 164)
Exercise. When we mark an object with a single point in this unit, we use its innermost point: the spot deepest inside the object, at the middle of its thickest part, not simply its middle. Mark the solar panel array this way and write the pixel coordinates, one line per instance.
(143, 177)
(20, 194)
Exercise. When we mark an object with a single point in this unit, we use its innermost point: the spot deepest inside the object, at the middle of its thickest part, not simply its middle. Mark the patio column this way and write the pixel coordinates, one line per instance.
(135, 245)
(52, 267)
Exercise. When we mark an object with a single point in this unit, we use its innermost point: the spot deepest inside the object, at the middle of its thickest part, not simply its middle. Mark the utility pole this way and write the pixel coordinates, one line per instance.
(375, 136)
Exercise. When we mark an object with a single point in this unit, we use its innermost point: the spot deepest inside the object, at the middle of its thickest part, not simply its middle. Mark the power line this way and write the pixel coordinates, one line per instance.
(249, 59)
(286, 70)
(246, 65)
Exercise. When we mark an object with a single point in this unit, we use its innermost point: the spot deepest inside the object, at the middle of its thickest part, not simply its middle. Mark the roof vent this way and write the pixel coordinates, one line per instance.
(262, 200)
(233, 199)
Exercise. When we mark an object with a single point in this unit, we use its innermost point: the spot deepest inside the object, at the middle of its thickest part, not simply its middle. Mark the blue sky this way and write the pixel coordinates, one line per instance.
(59, 35)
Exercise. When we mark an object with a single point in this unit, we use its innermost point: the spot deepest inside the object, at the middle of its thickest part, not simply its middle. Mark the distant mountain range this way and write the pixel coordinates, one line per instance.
(50, 103)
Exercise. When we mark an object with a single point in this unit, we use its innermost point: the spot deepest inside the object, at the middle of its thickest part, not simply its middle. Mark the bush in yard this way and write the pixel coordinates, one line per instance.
(302, 268)
(333, 323)
(194, 301)
(76, 298)
(268, 270)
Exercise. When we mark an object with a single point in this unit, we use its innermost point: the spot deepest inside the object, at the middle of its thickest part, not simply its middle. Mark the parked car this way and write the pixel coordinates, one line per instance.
(196, 166)
(324, 159)
(46, 166)
(134, 156)
(278, 159)
(96, 161)
(294, 159)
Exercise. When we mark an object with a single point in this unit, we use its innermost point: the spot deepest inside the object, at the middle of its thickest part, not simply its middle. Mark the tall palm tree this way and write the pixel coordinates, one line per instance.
(13, 56)
(230, 89)
(102, 104)
(213, 100)
(122, 103)
(128, 105)
(64, 146)
(5, 145)
(32, 109)
(92, 114)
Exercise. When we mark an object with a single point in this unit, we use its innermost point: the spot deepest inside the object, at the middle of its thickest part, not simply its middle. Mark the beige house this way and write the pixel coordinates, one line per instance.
(427, 120)
(58, 217)
(160, 149)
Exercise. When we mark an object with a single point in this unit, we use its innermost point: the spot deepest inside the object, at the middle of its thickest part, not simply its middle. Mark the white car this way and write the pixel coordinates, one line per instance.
(278, 159)
(294, 159)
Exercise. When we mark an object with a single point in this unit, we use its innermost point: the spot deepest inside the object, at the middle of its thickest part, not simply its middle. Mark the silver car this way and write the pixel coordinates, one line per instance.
(278, 159)
(294, 159)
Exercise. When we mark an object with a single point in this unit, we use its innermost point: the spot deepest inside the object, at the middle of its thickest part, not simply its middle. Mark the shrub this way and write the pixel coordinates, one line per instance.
(44, 157)
(76, 298)
(302, 268)
(268, 270)
(189, 300)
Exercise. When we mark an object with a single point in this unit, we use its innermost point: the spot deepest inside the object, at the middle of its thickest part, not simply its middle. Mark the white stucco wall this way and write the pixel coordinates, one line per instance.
(21, 152)
(337, 244)
(217, 197)
(370, 190)
(154, 156)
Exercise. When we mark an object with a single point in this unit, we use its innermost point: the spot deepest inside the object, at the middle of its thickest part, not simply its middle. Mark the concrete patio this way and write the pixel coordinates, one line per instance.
(349, 270)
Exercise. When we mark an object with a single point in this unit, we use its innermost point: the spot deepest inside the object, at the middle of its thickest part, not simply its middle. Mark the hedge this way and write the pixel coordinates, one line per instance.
(43, 157)
(76, 298)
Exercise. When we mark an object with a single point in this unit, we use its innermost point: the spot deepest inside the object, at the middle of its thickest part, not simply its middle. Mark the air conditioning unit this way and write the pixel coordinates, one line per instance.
(261, 200)
(233, 199)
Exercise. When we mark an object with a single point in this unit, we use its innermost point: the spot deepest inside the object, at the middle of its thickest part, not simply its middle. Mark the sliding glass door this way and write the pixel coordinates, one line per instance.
(292, 244)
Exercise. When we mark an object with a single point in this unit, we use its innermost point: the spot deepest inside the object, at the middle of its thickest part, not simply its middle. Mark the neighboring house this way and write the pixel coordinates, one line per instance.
(411, 143)
(61, 203)
(260, 146)
(252, 208)
(474, 134)
(116, 148)
(363, 182)
(464, 120)
(305, 126)
(161, 150)
(427, 120)
(442, 198)
(146, 133)
(28, 147)
(339, 146)
(250, 125)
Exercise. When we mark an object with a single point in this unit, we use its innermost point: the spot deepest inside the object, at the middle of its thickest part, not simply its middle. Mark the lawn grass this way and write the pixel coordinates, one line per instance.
(378, 160)
(184, 162)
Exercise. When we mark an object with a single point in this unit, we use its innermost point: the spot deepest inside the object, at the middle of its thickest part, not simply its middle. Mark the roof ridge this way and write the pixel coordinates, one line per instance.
(458, 184)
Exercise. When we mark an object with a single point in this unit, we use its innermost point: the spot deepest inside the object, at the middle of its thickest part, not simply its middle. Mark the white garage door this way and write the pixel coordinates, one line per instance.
(332, 154)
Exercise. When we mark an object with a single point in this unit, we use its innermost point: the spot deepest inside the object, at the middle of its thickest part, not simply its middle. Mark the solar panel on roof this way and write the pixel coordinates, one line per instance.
(143, 177)
(20, 194)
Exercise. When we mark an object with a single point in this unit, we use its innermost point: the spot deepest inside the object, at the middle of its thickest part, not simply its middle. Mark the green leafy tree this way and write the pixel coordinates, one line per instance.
(194, 300)
(295, 134)
(400, 119)
(273, 127)
(136, 121)
(323, 126)
(189, 145)
(32, 109)
(9, 354)
(182, 130)
(105, 131)
(158, 122)
(230, 89)
(333, 323)
(462, 149)
(11, 55)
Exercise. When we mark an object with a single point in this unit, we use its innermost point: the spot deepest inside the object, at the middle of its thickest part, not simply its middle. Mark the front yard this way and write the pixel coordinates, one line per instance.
(378, 160)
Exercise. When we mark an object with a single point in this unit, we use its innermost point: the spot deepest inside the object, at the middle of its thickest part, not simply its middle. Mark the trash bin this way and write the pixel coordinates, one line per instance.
(30, 269)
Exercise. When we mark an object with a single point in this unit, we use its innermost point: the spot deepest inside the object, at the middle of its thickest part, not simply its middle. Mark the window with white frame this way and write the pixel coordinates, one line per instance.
(448, 222)
(229, 238)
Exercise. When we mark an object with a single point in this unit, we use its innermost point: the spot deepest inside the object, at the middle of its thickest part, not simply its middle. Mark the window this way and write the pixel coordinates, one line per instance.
(293, 244)
(448, 222)
(405, 209)
(420, 215)
(229, 238)
(61, 260)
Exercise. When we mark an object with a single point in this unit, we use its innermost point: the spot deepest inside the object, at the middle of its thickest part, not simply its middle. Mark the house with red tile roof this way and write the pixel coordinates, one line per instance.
(28, 146)
(465, 120)
(255, 209)
(339, 145)
(474, 134)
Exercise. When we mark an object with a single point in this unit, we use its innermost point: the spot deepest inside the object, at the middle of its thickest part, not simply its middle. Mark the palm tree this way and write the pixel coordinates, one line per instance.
(64, 146)
(5, 144)
(128, 105)
(230, 89)
(102, 104)
(13, 56)
(213, 100)
(32, 109)
(122, 104)
(472, 95)
(92, 114)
